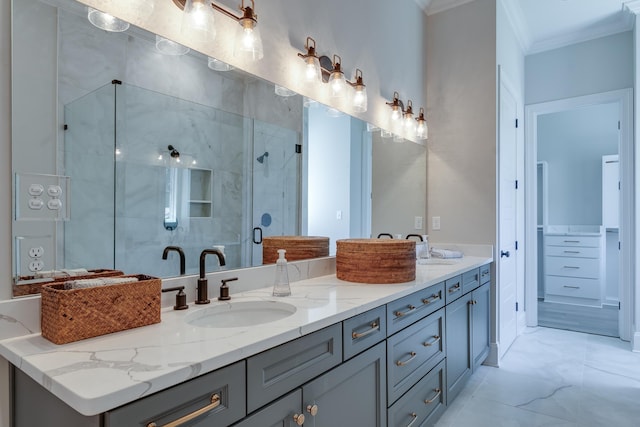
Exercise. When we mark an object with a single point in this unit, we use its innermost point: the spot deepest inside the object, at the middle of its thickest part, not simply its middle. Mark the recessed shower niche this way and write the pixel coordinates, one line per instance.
(200, 193)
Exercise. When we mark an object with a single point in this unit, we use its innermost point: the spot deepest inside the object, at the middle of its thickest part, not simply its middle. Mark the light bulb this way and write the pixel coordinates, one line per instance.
(396, 113)
(248, 42)
(337, 84)
(198, 20)
(312, 71)
(409, 123)
(422, 131)
(360, 99)
(106, 22)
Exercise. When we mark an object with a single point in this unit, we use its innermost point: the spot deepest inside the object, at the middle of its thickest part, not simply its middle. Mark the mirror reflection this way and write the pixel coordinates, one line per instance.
(166, 150)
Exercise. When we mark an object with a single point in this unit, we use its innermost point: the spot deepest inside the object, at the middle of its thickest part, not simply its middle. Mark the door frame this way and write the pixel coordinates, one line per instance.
(624, 99)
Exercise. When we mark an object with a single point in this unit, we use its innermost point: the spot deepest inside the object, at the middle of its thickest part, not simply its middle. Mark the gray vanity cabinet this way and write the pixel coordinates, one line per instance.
(284, 412)
(458, 345)
(352, 394)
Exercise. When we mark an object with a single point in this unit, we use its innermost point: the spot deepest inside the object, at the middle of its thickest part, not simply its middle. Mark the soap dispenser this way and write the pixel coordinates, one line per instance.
(423, 251)
(281, 286)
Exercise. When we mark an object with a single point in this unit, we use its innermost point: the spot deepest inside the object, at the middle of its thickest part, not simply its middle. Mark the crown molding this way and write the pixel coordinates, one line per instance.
(625, 24)
(632, 6)
(437, 6)
(515, 16)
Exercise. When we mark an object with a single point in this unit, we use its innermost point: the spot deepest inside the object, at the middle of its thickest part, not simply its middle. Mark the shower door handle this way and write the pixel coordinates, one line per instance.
(257, 231)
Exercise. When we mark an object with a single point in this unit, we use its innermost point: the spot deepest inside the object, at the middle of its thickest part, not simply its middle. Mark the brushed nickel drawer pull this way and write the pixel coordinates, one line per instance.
(410, 310)
(436, 338)
(572, 287)
(432, 298)
(415, 418)
(413, 356)
(438, 393)
(215, 402)
(572, 267)
(374, 327)
(455, 288)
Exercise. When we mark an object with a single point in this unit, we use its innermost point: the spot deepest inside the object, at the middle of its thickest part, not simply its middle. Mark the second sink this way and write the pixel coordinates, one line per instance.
(239, 314)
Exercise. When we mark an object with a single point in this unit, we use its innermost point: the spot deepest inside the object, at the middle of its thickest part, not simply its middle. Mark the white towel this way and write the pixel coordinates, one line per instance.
(72, 272)
(445, 253)
(101, 281)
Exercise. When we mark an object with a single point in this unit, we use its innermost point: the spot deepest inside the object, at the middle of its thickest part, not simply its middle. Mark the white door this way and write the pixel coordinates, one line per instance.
(507, 221)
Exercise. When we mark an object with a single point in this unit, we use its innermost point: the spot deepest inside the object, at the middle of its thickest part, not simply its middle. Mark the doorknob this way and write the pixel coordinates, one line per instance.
(504, 254)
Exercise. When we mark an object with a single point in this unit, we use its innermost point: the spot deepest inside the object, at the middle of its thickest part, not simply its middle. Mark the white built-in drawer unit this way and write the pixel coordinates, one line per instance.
(574, 269)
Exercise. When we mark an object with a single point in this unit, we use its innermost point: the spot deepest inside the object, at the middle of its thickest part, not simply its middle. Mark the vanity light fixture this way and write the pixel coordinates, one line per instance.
(198, 21)
(169, 47)
(408, 122)
(105, 21)
(337, 81)
(216, 64)
(312, 70)
(396, 107)
(359, 101)
(422, 131)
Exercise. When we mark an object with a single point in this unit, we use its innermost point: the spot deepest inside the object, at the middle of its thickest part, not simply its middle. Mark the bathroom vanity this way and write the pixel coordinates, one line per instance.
(350, 354)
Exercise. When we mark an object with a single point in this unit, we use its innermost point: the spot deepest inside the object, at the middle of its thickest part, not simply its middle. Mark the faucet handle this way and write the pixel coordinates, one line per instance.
(224, 289)
(181, 297)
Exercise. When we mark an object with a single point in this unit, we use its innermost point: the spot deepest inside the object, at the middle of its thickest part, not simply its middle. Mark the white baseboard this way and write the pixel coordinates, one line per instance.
(635, 341)
(492, 358)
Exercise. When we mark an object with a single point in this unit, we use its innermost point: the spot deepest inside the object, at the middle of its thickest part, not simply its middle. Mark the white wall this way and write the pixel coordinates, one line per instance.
(573, 143)
(594, 66)
(461, 87)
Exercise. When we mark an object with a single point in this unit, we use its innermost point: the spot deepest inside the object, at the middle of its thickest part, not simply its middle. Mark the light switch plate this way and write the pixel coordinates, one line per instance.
(435, 223)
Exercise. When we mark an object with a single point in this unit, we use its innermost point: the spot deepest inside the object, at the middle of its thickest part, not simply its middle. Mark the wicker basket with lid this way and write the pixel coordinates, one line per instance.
(297, 247)
(376, 260)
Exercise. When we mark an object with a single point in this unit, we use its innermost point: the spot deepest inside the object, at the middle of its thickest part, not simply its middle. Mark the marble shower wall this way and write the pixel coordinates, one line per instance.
(166, 100)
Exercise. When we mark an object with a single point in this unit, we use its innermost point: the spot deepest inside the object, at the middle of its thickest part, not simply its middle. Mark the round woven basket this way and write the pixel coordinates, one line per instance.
(297, 247)
(376, 260)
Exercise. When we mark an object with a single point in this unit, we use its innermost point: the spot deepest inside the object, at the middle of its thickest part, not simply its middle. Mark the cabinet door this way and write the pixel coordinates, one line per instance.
(284, 412)
(458, 345)
(480, 324)
(352, 394)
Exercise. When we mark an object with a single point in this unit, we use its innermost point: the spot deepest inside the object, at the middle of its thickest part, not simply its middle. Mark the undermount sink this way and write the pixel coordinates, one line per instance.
(239, 314)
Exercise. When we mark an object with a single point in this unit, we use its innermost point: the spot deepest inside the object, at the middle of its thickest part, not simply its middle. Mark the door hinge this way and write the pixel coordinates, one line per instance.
(618, 124)
(65, 127)
(516, 306)
(516, 245)
(516, 122)
(619, 246)
(619, 307)
(516, 184)
(618, 185)
(298, 148)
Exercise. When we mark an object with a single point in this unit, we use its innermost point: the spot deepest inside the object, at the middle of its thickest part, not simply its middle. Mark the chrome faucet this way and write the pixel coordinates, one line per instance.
(180, 252)
(202, 291)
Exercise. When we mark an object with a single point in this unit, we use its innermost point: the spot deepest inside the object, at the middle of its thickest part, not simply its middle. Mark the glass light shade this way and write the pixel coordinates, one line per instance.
(169, 47)
(216, 64)
(312, 71)
(283, 91)
(360, 99)
(408, 122)
(338, 84)
(106, 22)
(422, 131)
(372, 128)
(396, 113)
(198, 20)
(248, 43)
(385, 134)
(308, 102)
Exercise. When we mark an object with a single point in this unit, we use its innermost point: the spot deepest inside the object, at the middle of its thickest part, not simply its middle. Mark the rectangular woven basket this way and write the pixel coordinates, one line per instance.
(34, 288)
(69, 315)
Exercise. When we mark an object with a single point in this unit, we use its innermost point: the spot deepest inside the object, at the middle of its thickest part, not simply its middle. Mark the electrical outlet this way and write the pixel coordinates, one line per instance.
(36, 252)
(435, 223)
(36, 265)
(417, 223)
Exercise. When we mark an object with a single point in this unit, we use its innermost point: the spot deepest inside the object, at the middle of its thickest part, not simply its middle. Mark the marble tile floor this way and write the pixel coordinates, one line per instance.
(551, 377)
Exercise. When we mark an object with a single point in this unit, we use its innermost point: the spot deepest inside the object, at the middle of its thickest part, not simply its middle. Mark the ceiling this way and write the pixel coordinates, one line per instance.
(549, 24)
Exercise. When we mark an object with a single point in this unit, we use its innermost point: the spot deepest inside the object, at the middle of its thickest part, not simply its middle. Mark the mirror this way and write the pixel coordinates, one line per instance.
(151, 150)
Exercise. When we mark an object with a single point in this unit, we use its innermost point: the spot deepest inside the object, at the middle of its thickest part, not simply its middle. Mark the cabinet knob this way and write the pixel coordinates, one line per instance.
(298, 419)
(312, 409)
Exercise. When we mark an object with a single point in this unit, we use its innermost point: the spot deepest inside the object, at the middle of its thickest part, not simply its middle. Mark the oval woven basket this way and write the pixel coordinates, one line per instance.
(376, 260)
(297, 247)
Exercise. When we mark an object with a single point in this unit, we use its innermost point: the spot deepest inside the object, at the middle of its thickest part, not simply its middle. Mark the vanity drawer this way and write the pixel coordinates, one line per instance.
(583, 241)
(470, 280)
(404, 311)
(423, 404)
(412, 352)
(485, 274)
(283, 412)
(222, 390)
(274, 372)
(453, 289)
(573, 287)
(575, 252)
(572, 267)
(363, 331)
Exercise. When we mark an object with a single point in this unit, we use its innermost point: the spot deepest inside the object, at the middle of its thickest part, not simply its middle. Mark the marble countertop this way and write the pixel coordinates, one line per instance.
(98, 374)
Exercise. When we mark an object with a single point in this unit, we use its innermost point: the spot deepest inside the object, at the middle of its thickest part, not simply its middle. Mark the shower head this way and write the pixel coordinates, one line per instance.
(260, 159)
(173, 152)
